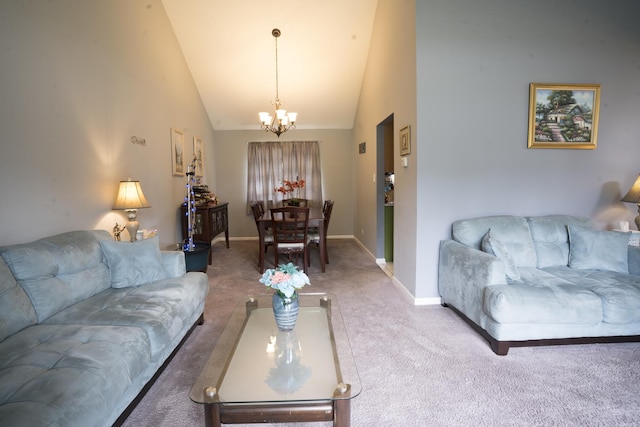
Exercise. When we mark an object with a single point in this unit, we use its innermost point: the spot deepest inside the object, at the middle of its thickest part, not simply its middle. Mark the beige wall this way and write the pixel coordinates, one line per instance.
(336, 155)
(78, 79)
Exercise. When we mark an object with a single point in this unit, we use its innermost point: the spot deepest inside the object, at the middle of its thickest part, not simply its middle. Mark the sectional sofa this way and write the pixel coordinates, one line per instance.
(85, 325)
(557, 279)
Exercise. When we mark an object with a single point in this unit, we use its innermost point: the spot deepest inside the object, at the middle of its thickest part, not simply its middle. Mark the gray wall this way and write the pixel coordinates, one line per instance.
(78, 79)
(475, 60)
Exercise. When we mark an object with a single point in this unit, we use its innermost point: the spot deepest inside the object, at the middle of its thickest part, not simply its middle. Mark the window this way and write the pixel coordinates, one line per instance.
(269, 163)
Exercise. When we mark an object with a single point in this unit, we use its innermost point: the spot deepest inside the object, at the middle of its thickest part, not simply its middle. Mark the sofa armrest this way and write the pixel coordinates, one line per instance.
(634, 260)
(173, 263)
(463, 274)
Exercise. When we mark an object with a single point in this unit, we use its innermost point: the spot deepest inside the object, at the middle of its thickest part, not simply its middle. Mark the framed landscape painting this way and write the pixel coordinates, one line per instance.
(563, 116)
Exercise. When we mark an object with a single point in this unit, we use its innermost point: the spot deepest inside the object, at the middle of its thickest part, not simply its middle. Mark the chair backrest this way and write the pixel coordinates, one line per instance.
(257, 213)
(327, 208)
(290, 226)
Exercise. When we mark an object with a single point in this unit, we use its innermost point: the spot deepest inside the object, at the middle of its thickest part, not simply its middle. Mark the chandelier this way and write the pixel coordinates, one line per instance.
(281, 121)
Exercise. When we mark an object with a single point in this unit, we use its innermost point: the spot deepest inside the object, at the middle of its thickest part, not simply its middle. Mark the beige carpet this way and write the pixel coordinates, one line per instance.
(419, 366)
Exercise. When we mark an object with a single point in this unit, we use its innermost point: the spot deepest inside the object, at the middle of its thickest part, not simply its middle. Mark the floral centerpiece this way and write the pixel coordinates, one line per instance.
(289, 187)
(286, 280)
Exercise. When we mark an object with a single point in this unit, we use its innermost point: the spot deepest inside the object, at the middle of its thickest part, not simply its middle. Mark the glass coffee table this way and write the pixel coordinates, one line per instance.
(257, 374)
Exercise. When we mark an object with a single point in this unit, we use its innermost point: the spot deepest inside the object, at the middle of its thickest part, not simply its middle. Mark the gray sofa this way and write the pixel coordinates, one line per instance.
(542, 280)
(86, 323)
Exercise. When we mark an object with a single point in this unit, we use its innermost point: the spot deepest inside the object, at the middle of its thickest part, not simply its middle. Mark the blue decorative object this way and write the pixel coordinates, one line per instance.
(285, 310)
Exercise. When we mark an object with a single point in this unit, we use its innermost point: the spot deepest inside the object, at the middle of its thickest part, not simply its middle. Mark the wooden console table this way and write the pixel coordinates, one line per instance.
(210, 220)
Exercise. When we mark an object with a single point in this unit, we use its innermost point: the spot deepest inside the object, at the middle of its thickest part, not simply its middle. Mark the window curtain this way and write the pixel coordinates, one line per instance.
(271, 162)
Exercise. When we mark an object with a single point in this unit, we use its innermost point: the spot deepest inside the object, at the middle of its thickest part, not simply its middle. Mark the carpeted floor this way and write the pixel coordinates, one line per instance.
(419, 366)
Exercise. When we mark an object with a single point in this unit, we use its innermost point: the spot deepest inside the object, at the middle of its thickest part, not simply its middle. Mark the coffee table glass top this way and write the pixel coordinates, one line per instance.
(253, 362)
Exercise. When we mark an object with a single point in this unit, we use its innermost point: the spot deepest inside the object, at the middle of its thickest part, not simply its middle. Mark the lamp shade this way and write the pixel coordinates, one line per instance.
(633, 195)
(130, 196)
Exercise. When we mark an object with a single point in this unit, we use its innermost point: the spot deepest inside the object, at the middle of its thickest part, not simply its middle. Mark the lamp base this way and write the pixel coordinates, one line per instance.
(132, 228)
(132, 224)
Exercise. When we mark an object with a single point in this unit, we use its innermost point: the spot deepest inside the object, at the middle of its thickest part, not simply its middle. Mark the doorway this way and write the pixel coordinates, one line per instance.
(385, 179)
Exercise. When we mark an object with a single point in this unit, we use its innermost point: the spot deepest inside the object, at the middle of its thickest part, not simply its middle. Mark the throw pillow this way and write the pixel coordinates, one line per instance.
(598, 250)
(491, 245)
(133, 263)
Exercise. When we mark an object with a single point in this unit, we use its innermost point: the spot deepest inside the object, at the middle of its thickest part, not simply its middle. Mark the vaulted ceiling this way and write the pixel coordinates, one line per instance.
(322, 54)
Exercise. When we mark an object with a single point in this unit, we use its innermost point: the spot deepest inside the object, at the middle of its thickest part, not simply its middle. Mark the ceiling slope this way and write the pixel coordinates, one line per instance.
(322, 55)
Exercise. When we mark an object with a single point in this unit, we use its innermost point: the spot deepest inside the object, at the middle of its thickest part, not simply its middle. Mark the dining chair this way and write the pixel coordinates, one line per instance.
(290, 233)
(314, 235)
(258, 211)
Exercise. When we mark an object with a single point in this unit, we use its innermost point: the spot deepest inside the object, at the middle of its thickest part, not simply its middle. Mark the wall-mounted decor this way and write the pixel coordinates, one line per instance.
(405, 141)
(198, 155)
(362, 147)
(563, 115)
(177, 152)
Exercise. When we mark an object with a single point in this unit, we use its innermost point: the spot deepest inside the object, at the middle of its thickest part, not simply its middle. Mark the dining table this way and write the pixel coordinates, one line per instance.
(316, 220)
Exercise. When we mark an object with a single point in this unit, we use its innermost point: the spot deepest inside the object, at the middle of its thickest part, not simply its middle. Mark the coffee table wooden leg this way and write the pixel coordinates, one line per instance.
(212, 416)
(342, 413)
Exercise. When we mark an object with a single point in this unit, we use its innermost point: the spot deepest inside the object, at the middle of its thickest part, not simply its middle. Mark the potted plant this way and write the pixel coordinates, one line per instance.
(289, 187)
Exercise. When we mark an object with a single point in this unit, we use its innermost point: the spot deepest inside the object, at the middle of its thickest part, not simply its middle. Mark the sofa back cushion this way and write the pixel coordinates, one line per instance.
(551, 238)
(512, 231)
(58, 271)
(16, 311)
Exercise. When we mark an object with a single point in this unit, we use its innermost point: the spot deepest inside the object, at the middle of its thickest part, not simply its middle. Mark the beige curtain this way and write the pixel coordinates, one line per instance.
(271, 162)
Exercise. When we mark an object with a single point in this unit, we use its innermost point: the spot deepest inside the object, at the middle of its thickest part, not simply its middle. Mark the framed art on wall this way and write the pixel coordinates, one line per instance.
(563, 116)
(405, 141)
(198, 155)
(177, 152)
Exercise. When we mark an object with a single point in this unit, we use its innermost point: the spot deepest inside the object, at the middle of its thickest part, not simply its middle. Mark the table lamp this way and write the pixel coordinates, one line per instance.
(633, 196)
(130, 198)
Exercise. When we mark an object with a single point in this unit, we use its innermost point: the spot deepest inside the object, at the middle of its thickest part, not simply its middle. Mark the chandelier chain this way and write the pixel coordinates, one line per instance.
(277, 96)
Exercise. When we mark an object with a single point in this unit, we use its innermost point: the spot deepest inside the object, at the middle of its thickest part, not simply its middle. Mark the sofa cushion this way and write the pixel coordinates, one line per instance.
(598, 250)
(551, 237)
(133, 263)
(492, 245)
(619, 292)
(58, 271)
(513, 232)
(542, 298)
(163, 308)
(16, 311)
(68, 375)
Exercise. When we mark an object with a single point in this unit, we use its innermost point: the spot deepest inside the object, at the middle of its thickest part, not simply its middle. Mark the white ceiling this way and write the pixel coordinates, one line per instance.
(230, 51)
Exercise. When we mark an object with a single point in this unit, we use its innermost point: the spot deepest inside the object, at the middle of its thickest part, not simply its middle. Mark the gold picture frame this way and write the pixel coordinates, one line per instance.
(177, 152)
(405, 141)
(198, 155)
(563, 116)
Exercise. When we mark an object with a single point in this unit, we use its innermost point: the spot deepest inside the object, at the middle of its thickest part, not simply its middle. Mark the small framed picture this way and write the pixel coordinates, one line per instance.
(405, 141)
(563, 116)
(198, 155)
(177, 152)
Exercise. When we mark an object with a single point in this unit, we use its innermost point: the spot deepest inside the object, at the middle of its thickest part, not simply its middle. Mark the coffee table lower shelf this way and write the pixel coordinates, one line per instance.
(338, 411)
